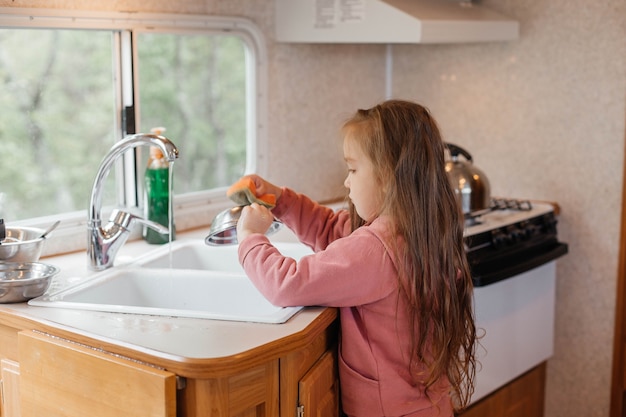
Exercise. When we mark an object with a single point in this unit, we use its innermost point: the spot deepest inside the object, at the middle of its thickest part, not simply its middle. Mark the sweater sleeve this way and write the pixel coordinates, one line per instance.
(315, 225)
(354, 270)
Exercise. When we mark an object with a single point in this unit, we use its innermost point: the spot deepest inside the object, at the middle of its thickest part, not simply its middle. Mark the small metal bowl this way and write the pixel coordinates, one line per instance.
(224, 227)
(20, 282)
(22, 244)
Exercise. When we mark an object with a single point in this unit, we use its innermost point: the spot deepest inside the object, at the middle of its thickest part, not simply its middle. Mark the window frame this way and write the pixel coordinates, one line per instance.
(191, 210)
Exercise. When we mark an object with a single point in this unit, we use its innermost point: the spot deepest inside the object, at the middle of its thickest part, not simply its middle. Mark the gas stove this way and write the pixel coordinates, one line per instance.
(512, 237)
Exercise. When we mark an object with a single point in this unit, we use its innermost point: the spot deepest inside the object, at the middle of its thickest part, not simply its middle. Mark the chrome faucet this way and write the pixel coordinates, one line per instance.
(103, 242)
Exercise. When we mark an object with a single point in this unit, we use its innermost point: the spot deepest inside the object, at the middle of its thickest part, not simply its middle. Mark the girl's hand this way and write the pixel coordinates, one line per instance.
(254, 218)
(265, 187)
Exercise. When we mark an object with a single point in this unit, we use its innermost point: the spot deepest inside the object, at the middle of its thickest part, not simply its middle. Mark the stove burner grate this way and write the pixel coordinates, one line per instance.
(497, 204)
(510, 204)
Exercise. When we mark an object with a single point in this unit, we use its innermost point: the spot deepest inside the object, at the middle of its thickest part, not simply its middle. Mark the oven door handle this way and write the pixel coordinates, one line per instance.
(486, 275)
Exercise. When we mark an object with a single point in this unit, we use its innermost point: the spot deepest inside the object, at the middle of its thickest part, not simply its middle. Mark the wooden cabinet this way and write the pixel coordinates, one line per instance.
(10, 389)
(523, 397)
(255, 393)
(275, 388)
(55, 374)
(63, 378)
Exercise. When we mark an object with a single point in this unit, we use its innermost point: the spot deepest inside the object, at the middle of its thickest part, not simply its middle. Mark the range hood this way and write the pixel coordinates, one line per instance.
(390, 21)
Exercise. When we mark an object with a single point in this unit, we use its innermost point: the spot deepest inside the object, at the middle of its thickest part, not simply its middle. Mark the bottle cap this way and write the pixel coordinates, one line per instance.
(157, 130)
(156, 152)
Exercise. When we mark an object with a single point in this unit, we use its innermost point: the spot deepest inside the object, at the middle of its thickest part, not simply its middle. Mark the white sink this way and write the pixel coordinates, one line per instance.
(204, 282)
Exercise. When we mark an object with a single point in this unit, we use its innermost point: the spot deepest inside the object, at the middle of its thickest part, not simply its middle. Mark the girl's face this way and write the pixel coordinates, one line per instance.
(365, 190)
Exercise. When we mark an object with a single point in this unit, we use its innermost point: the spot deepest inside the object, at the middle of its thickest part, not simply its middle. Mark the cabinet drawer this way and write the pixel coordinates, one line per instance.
(62, 378)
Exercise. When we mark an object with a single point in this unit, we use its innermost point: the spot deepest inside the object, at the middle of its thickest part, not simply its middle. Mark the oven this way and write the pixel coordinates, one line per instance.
(512, 251)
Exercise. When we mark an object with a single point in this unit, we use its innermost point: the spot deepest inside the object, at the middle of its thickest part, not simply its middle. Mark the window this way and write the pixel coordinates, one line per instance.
(195, 87)
(57, 120)
(66, 98)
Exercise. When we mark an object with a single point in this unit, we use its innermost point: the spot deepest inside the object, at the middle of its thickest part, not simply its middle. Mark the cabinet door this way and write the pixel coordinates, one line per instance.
(523, 397)
(319, 388)
(10, 378)
(63, 378)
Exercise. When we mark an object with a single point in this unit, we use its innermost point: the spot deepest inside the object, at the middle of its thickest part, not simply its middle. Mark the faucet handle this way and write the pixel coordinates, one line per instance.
(126, 220)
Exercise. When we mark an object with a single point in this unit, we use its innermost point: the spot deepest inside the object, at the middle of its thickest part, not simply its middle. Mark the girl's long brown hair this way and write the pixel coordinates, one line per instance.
(403, 141)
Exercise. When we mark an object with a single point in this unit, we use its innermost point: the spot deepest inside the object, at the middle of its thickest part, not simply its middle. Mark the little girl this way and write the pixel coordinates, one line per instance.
(394, 264)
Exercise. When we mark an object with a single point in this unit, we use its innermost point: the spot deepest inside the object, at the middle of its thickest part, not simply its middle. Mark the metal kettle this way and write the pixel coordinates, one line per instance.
(469, 183)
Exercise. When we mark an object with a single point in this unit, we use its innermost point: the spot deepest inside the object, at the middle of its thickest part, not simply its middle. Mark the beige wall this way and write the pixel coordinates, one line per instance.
(544, 117)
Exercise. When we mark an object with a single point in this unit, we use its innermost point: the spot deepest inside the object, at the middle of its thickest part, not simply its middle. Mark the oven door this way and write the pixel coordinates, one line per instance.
(515, 319)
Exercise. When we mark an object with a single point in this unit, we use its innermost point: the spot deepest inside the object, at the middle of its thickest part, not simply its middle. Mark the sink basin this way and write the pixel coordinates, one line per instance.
(168, 292)
(193, 254)
(203, 282)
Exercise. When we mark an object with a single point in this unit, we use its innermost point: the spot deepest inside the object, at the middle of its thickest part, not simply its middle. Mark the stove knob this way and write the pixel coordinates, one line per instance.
(534, 229)
(525, 230)
(498, 238)
(514, 234)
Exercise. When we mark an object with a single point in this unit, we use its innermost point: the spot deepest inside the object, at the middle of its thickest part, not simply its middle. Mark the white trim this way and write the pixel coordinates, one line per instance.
(191, 210)
(128, 79)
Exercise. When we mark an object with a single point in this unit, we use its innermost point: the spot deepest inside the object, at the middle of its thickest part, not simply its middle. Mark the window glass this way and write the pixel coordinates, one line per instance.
(59, 115)
(194, 85)
(57, 121)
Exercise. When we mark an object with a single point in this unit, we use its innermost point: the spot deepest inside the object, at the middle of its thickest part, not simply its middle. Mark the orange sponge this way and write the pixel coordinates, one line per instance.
(243, 193)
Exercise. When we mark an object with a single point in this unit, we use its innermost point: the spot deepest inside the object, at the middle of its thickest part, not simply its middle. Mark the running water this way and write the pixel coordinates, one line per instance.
(171, 211)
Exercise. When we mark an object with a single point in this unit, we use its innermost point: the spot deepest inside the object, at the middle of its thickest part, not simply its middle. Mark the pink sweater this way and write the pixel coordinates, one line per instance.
(357, 273)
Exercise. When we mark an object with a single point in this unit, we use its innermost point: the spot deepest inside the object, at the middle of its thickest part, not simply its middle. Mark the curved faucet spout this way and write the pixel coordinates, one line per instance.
(103, 242)
(129, 142)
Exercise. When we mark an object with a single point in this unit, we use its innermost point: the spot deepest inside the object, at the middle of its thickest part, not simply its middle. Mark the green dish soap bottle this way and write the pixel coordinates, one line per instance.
(157, 196)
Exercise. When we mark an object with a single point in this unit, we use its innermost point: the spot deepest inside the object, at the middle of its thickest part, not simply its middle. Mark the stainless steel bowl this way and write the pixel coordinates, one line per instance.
(22, 244)
(20, 282)
(224, 227)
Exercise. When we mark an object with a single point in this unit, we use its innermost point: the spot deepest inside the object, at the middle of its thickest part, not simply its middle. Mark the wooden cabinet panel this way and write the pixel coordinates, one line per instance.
(10, 376)
(252, 393)
(319, 388)
(8, 343)
(523, 397)
(526, 395)
(257, 388)
(59, 378)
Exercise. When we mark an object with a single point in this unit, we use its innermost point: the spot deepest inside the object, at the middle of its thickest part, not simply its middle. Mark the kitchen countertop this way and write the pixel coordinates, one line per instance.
(172, 341)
